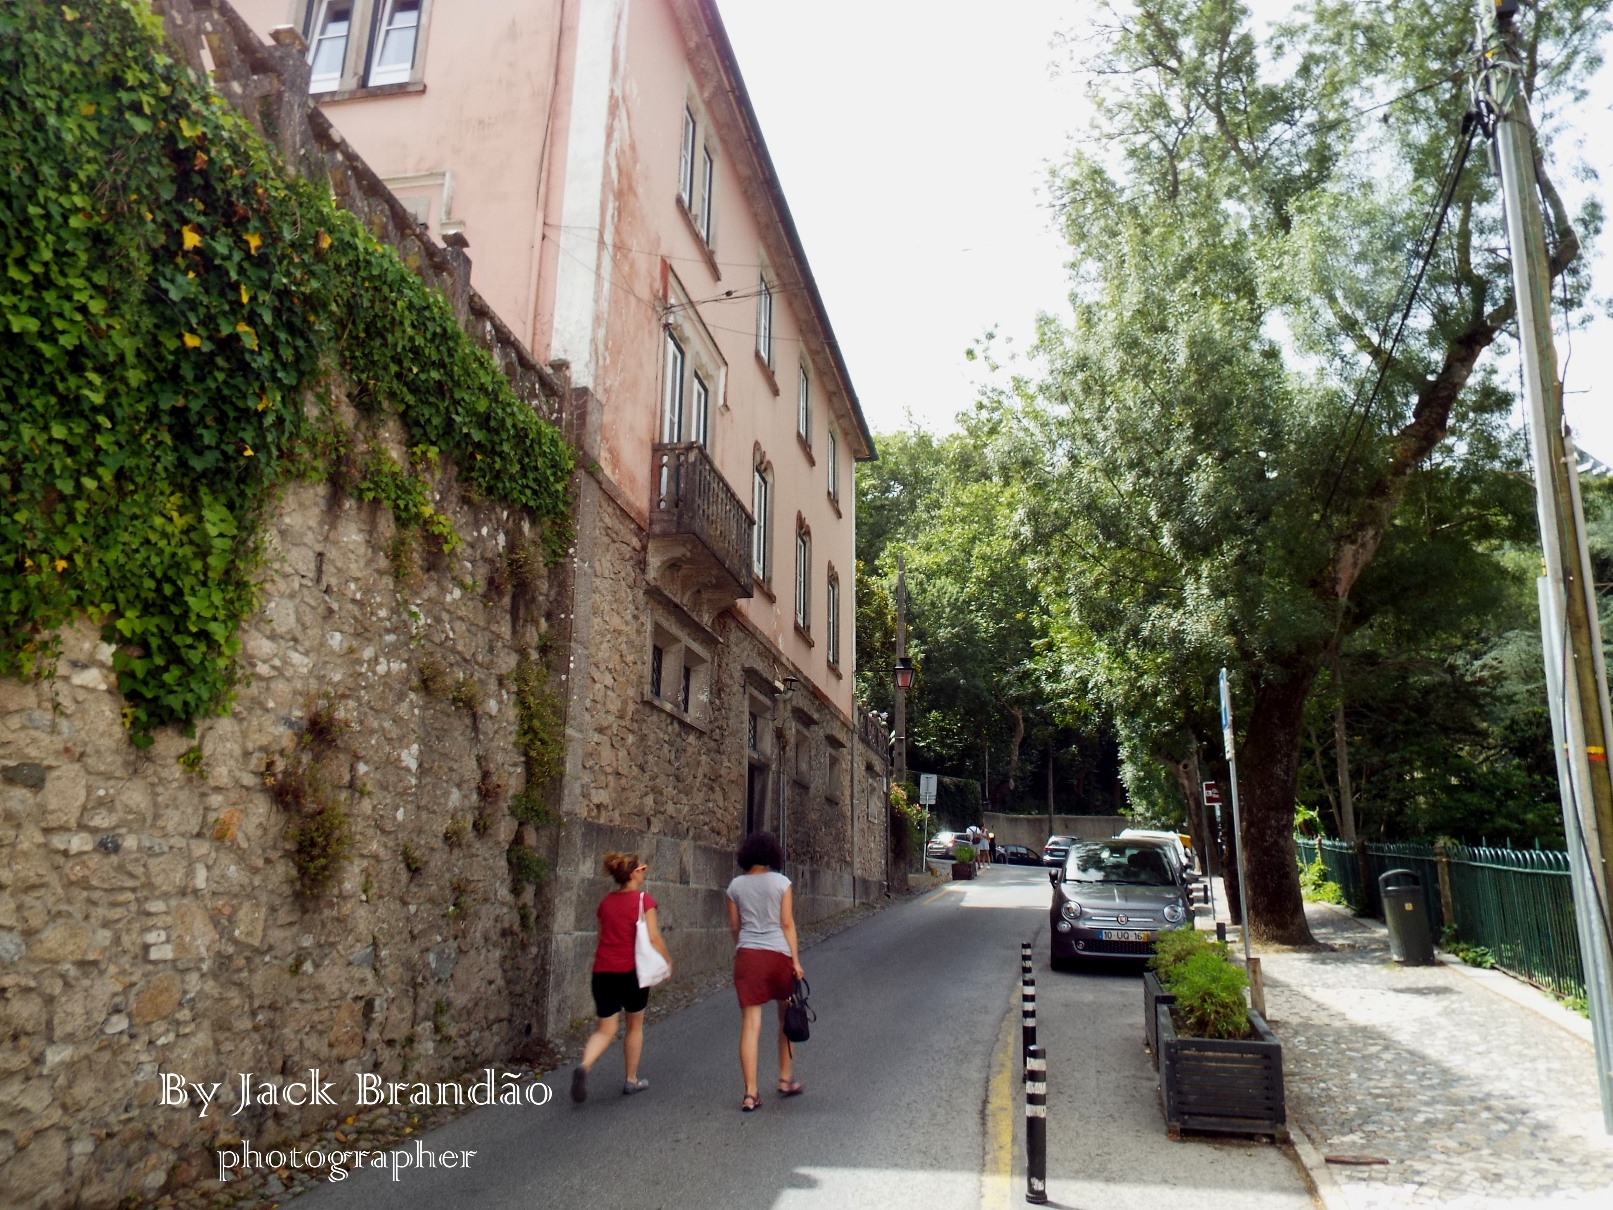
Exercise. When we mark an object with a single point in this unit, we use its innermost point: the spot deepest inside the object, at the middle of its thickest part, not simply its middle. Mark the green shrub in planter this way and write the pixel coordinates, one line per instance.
(1207, 986)
(1209, 996)
(963, 852)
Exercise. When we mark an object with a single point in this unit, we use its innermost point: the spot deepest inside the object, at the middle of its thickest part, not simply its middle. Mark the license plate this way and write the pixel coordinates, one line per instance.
(1123, 935)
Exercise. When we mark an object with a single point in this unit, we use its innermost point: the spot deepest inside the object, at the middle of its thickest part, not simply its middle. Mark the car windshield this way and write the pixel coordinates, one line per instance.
(1118, 861)
(1058, 840)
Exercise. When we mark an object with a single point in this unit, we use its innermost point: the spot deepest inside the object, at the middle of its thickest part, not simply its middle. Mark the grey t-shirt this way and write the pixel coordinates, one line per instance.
(759, 898)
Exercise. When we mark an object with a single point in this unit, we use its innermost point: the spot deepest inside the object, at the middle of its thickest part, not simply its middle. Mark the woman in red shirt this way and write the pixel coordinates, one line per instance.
(615, 982)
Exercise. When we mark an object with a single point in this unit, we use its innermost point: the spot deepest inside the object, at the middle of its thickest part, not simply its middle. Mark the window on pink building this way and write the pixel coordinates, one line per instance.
(397, 30)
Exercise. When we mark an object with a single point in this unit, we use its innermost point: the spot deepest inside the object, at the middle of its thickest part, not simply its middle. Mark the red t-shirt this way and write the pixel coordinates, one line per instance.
(618, 928)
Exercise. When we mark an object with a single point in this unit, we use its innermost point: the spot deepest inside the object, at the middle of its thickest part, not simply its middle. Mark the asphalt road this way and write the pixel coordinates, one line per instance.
(912, 1094)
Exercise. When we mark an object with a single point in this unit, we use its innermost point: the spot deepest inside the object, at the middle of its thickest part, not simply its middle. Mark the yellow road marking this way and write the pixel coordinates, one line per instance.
(997, 1179)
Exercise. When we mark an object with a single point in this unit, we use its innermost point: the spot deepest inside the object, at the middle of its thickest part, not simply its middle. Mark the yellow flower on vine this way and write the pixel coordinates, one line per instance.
(61, 565)
(246, 451)
(190, 236)
(192, 341)
(253, 242)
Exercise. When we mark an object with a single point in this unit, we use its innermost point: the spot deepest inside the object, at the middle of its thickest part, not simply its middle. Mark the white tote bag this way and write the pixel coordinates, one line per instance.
(652, 968)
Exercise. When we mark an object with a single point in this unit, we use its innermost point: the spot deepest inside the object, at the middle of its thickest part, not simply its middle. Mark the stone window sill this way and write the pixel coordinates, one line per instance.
(686, 719)
(806, 448)
(834, 503)
(700, 241)
(377, 90)
(806, 635)
(767, 373)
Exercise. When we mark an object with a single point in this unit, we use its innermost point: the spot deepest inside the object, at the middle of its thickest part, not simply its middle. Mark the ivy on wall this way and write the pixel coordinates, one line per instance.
(174, 304)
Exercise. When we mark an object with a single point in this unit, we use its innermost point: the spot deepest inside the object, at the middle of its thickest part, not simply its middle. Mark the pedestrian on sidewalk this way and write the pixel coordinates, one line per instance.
(615, 981)
(767, 958)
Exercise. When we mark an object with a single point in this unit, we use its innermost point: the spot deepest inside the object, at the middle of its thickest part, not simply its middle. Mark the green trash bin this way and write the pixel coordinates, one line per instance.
(1411, 942)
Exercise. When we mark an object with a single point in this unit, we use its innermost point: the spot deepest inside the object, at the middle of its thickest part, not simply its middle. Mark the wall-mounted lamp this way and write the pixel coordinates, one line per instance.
(904, 673)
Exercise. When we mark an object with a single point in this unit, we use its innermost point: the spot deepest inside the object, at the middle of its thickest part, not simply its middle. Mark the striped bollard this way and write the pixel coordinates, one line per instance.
(1036, 1126)
(1027, 1021)
(1025, 966)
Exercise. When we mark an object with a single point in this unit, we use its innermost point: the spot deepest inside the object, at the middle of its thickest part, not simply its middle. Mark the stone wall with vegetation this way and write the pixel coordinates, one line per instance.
(276, 731)
(156, 915)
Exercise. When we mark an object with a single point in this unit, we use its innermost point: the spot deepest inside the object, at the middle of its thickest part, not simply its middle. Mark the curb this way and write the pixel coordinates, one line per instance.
(1323, 1183)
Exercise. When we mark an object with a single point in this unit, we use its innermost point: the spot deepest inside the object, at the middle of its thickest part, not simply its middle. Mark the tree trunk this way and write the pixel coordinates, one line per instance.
(1013, 747)
(1268, 773)
(1341, 747)
(1188, 782)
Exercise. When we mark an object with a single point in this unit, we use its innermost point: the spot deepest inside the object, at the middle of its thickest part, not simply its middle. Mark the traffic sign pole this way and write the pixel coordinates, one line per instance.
(1237, 830)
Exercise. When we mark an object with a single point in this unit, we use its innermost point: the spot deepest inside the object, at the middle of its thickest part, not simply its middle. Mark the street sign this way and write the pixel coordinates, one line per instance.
(927, 784)
(1212, 794)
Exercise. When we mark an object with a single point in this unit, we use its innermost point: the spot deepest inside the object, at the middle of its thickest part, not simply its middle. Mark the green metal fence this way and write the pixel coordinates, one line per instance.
(1519, 905)
(1516, 903)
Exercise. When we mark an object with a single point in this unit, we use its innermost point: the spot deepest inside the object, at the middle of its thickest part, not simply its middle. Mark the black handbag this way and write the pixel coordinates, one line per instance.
(798, 1014)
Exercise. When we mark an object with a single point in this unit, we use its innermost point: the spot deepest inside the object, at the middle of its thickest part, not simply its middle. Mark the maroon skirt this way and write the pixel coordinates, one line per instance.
(762, 975)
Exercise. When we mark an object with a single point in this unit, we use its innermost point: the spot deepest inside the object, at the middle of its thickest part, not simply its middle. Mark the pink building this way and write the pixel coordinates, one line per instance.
(602, 165)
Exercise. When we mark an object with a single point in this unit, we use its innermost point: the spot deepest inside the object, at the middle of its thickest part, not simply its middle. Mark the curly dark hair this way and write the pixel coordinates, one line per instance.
(760, 848)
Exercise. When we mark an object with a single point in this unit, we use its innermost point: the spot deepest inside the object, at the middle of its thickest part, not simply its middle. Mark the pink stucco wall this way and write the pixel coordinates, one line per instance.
(502, 81)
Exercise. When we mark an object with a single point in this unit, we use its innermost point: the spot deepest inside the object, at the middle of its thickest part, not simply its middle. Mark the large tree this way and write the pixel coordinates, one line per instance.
(1229, 425)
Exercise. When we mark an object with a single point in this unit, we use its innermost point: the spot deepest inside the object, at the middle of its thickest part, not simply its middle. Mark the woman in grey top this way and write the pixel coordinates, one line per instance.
(767, 961)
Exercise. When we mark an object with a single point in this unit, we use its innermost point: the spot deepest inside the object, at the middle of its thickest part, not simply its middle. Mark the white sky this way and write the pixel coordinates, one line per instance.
(913, 150)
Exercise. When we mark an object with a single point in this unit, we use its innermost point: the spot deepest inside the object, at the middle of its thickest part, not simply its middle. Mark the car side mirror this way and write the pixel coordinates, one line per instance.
(1053, 877)
(1190, 877)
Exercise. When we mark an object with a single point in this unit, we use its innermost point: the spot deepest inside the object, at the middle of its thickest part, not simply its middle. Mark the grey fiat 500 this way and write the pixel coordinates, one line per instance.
(1112, 898)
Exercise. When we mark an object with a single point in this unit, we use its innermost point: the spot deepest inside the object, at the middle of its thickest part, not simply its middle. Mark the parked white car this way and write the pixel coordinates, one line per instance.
(1184, 853)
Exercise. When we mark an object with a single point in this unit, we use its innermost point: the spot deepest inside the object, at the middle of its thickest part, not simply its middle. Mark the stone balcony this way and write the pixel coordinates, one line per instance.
(700, 532)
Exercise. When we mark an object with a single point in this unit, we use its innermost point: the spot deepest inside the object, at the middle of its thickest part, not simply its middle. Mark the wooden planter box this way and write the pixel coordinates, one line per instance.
(1153, 995)
(962, 870)
(1223, 1086)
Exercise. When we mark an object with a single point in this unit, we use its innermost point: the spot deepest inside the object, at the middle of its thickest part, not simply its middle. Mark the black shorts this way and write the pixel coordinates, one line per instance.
(616, 991)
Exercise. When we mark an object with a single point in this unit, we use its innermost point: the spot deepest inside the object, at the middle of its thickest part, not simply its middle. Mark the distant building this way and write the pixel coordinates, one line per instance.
(605, 168)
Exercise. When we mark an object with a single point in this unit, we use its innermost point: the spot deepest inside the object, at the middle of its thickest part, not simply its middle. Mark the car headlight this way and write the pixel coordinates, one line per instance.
(1070, 910)
(1174, 913)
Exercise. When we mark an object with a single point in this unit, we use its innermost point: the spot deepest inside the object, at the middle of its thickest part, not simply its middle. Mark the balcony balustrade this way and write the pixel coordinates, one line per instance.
(700, 531)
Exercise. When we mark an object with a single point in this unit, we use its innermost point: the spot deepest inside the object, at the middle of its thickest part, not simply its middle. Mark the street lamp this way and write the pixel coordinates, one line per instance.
(904, 673)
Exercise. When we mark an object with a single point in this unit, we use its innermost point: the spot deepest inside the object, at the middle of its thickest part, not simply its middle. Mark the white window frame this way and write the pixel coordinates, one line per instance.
(386, 24)
(672, 379)
(803, 580)
(692, 351)
(761, 500)
(831, 601)
(764, 322)
(700, 409)
(708, 181)
(834, 464)
(318, 39)
(686, 161)
(803, 406)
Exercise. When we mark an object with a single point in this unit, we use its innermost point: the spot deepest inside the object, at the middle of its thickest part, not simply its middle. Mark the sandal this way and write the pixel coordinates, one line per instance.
(750, 1104)
(793, 1089)
(629, 1087)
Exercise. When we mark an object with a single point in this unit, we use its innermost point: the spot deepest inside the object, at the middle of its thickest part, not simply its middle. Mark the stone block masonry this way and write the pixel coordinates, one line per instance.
(149, 917)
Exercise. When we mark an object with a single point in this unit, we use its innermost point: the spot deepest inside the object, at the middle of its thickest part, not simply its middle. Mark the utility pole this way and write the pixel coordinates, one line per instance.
(1575, 675)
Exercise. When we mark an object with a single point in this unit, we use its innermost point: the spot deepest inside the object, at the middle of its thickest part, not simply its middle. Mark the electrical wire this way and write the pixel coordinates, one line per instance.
(1442, 207)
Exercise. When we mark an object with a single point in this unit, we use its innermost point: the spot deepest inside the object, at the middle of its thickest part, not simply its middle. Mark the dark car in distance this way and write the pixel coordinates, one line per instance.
(1114, 897)
(1017, 854)
(1056, 850)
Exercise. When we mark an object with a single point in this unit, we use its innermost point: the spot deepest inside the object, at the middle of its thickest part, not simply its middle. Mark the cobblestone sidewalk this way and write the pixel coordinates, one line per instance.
(1471, 1099)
